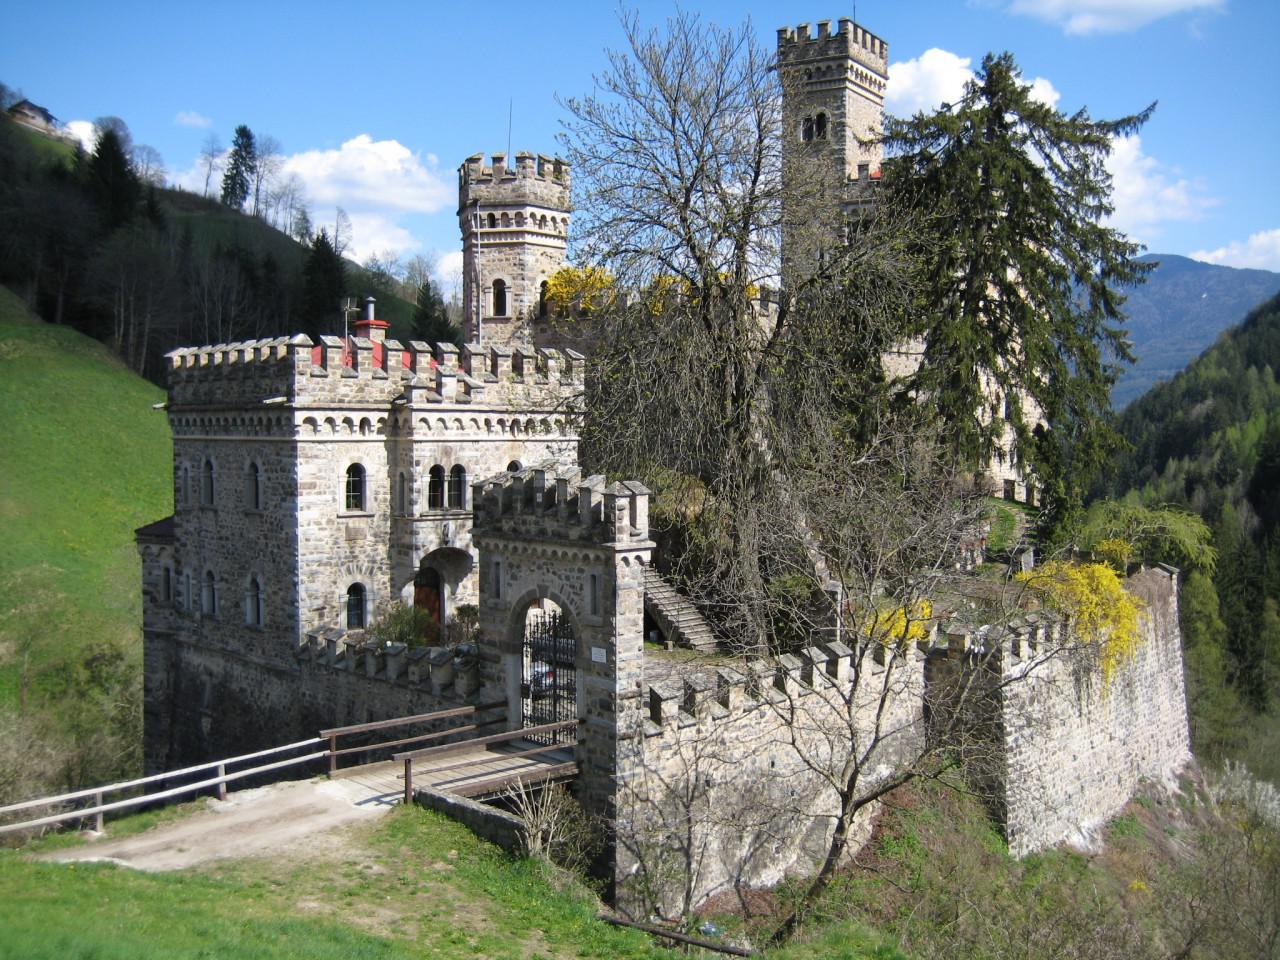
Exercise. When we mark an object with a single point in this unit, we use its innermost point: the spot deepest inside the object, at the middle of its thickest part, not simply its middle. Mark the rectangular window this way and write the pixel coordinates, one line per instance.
(497, 580)
(595, 595)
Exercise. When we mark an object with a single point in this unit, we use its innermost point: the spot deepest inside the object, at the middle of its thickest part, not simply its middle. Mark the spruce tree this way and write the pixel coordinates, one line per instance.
(240, 168)
(1023, 279)
(324, 282)
(430, 319)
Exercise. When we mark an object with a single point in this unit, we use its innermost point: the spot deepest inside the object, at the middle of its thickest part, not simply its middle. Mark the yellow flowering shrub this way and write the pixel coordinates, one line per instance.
(899, 624)
(1099, 609)
(1116, 551)
(581, 288)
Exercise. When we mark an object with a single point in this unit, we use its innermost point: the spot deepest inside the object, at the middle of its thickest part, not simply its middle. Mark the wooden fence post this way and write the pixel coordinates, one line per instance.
(408, 781)
(333, 755)
(97, 820)
(222, 783)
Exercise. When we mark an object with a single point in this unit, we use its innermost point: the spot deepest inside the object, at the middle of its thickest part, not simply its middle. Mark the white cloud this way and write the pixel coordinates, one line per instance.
(83, 131)
(1146, 193)
(370, 174)
(938, 76)
(378, 183)
(189, 118)
(1261, 250)
(448, 272)
(1044, 91)
(1107, 16)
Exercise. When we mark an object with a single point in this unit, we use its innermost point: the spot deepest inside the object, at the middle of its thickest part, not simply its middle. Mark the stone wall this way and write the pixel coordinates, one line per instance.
(1075, 750)
(206, 700)
(730, 781)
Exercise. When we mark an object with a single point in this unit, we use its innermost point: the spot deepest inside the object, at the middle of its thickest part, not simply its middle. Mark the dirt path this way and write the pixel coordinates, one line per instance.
(247, 823)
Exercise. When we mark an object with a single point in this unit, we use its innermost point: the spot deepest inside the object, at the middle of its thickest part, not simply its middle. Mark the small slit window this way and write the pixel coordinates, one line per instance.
(209, 595)
(253, 488)
(403, 497)
(253, 603)
(206, 484)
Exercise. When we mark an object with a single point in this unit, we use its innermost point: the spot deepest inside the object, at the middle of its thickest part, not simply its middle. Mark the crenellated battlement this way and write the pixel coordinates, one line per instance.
(356, 370)
(849, 41)
(534, 180)
(554, 503)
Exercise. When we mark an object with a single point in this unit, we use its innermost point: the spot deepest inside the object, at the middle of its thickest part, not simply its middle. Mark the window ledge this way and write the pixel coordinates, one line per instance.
(355, 515)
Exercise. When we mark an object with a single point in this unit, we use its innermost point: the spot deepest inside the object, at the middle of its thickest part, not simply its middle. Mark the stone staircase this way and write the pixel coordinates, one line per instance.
(675, 614)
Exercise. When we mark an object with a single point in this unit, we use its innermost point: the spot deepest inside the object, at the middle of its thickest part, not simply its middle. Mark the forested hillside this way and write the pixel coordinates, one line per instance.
(92, 241)
(1179, 312)
(1209, 440)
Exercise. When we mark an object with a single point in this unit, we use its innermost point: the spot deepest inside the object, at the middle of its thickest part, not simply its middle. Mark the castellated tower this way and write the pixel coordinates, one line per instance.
(832, 104)
(515, 228)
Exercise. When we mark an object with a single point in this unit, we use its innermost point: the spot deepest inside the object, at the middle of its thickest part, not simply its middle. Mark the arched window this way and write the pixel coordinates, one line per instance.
(499, 298)
(492, 221)
(542, 299)
(435, 488)
(820, 127)
(515, 466)
(506, 220)
(188, 599)
(806, 129)
(355, 606)
(595, 595)
(206, 484)
(519, 219)
(253, 603)
(355, 487)
(253, 488)
(403, 498)
(458, 487)
(209, 595)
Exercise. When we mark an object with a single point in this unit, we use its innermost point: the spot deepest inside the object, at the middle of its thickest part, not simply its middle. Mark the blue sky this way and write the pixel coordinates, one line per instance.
(376, 104)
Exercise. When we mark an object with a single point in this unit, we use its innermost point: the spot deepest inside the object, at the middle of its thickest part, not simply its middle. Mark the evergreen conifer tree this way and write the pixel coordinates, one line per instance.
(240, 168)
(1022, 281)
(430, 319)
(324, 283)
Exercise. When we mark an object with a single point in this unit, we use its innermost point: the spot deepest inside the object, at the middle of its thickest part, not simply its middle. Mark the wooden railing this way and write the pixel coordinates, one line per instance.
(410, 756)
(99, 807)
(222, 777)
(456, 712)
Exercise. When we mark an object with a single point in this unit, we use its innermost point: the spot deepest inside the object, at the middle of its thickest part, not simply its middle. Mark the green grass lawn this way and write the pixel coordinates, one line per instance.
(85, 461)
(414, 885)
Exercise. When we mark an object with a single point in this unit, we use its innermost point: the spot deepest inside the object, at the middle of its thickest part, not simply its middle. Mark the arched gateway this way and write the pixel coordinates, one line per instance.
(562, 564)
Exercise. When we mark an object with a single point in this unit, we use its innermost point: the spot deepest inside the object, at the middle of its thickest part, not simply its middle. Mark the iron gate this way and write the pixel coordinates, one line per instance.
(549, 687)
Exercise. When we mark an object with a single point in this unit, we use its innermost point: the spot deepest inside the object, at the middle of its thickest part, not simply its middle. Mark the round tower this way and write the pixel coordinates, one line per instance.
(515, 229)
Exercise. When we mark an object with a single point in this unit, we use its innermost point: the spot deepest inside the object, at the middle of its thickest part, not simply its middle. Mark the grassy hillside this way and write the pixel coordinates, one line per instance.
(414, 885)
(1189, 875)
(85, 461)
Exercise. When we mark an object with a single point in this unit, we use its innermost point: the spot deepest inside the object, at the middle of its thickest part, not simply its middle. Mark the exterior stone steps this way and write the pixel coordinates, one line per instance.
(676, 614)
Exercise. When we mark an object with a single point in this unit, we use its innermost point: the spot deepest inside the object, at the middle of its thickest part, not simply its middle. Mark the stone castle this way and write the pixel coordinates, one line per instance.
(317, 484)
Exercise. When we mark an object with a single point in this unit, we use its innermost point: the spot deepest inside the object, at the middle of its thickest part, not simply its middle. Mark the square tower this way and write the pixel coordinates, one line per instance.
(833, 87)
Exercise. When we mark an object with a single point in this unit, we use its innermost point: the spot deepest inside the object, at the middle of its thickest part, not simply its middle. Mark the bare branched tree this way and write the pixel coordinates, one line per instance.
(211, 154)
(797, 500)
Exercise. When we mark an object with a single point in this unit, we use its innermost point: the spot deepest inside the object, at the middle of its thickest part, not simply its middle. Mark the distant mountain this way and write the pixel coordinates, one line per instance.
(1179, 312)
